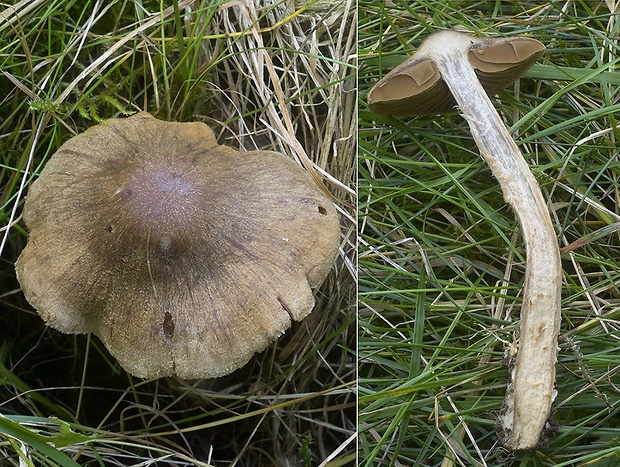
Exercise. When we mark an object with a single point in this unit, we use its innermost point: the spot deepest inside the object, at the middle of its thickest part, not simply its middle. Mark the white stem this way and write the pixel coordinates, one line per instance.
(532, 388)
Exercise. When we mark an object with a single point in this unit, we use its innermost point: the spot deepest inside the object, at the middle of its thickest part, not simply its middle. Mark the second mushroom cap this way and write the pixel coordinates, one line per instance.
(416, 87)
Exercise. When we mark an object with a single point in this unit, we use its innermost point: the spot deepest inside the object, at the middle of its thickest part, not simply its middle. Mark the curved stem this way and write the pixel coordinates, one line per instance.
(531, 390)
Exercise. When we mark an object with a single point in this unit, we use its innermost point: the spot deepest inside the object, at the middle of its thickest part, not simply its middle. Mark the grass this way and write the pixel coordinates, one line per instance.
(441, 255)
(263, 75)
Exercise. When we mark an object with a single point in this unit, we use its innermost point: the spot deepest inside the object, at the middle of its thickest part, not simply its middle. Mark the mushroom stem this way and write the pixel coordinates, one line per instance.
(531, 390)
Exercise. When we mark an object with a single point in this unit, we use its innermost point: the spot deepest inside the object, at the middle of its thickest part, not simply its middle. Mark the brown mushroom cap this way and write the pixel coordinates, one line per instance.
(415, 87)
(184, 256)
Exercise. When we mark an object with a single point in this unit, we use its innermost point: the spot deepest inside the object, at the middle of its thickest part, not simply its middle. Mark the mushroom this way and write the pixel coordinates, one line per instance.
(455, 68)
(183, 256)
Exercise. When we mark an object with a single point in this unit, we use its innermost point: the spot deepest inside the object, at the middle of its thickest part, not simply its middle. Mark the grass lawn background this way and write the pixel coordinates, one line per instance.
(441, 254)
(263, 75)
